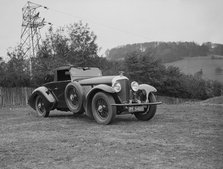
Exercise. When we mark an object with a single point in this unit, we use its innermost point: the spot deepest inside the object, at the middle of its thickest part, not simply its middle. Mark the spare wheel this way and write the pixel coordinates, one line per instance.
(74, 97)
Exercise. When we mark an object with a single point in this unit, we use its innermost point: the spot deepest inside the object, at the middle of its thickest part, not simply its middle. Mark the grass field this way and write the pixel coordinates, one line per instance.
(179, 136)
(212, 69)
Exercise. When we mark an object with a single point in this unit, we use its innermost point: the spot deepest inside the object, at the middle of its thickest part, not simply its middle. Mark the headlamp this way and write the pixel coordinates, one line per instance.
(117, 87)
(135, 86)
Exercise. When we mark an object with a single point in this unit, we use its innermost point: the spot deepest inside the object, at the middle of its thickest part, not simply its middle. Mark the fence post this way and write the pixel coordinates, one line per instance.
(1, 103)
(26, 96)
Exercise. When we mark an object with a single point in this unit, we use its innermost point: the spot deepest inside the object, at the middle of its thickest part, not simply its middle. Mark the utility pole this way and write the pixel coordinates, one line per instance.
(30, 34)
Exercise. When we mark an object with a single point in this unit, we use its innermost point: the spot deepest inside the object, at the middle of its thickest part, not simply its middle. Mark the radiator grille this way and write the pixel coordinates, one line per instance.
(125, 92)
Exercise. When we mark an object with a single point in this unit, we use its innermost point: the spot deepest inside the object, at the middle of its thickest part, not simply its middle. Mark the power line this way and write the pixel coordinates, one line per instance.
(32, 23)
(98, 23)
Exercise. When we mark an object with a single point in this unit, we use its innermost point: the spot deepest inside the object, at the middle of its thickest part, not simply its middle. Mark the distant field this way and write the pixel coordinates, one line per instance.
(212, 67)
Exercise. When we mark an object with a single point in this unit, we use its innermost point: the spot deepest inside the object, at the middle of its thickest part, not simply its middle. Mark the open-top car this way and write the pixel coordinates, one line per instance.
(84, 89)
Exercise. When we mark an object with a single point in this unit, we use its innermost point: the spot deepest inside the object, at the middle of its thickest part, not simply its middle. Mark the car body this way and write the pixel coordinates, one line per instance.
(84, 89)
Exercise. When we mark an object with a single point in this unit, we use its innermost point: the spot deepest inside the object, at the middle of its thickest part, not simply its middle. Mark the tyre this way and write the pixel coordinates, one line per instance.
(40, 107)
(150, 111)
(102, 110)
(74, 98)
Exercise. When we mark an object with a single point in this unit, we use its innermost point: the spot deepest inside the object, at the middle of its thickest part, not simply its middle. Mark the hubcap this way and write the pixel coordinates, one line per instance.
(102, 108)
(73, 97)
(40, 106)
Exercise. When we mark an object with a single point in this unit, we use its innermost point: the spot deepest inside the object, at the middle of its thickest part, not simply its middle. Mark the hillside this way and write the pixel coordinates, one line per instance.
(214, 100)
(206, 67)
(166, 51)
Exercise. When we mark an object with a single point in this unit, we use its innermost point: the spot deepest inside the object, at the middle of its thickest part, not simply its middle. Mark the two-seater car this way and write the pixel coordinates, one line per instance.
(84, 89)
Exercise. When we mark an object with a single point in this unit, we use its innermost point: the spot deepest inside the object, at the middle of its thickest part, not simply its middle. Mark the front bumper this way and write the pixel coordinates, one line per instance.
(137, 104)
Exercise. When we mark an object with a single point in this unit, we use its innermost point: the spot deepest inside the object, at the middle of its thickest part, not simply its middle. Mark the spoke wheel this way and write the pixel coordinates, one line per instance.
(150, 110)
(102, 110)
(74, 98)
(40, 107)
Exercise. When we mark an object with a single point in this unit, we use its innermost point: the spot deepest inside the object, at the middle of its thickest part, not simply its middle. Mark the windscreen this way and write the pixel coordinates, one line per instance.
(82, 73)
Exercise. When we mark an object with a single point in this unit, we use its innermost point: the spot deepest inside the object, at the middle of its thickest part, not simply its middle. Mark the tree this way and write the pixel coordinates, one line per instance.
(218, 49)
(16, 70)
(132, 65)
(69, 45)
(72, 44)
(2, 69)
(82, 44)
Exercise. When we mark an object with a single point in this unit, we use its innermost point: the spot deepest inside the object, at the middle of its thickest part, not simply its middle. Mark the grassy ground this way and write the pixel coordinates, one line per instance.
(179, 136)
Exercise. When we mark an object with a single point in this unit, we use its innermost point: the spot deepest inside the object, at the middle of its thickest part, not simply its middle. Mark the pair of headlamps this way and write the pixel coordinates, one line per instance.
(117, 86)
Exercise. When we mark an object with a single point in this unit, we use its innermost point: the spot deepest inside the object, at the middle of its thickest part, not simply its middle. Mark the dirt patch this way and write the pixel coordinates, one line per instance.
(179, 136)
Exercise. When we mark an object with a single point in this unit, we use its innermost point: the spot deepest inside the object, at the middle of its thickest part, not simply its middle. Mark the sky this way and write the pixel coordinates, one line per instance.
(121, 22)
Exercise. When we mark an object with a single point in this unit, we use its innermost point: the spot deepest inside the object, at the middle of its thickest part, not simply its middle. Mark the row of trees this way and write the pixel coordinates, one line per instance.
(167, 51)
(75, 44)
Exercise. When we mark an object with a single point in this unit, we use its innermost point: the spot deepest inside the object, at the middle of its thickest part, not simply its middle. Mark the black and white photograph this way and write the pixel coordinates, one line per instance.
(111, 84)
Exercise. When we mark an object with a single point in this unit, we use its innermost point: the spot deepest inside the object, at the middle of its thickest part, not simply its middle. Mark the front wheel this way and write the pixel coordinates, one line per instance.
(150, 111)
(40, 107)
(102, 109)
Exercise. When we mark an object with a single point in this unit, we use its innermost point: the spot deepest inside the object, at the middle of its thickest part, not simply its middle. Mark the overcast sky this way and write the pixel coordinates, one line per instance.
(120, 22)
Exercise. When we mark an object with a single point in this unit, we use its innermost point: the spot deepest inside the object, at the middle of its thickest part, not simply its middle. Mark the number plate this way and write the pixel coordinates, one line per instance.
(136, 109)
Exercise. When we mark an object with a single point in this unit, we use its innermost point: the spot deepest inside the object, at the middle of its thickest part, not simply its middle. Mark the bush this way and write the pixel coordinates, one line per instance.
(169, 81)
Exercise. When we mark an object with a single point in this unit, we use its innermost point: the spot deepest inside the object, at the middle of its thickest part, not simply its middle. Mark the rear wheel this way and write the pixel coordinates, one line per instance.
(74, 98)
(40, 107)
(150, 111)
(102, 110)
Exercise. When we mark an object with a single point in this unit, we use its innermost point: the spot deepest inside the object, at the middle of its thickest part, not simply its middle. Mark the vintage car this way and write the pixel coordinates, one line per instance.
(84, 89)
